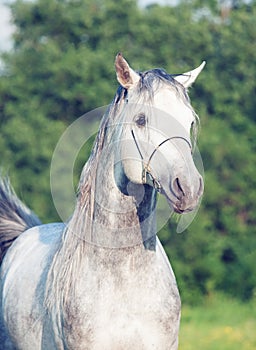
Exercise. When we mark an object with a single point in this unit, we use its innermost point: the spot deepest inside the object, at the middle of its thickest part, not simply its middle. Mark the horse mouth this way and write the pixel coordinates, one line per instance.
(182, 211)
(180, 207)
(177, 210)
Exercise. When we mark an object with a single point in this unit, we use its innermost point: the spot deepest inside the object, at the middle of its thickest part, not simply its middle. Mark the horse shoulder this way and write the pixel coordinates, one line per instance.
(169, 281)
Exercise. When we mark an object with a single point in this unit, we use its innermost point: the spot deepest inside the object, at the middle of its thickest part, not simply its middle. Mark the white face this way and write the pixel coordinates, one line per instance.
(161, 128)
(167, 116)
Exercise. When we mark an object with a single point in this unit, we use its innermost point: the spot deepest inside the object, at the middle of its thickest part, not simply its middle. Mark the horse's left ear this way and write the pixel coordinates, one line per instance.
(126, 76)
(188, 78)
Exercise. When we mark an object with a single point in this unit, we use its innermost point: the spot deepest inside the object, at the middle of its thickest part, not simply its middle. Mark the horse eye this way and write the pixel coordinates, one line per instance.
(141, 120)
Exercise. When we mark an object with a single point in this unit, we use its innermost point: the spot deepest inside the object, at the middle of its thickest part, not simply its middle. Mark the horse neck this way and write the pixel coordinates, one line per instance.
(123, 212)
(116, 213)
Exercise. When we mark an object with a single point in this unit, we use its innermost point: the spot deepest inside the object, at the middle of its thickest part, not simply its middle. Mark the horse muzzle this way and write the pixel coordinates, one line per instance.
(184, 196)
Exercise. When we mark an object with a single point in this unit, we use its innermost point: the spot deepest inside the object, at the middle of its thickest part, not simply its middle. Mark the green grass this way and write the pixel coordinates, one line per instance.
(219, 324)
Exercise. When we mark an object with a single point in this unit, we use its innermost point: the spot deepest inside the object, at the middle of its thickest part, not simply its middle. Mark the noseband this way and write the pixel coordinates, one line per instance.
(147, 175)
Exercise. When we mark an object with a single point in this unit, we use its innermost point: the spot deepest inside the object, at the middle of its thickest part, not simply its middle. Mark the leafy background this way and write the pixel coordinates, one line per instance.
(61, 66)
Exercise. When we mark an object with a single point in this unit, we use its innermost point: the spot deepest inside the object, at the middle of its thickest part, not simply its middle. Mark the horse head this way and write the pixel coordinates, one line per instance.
(158, 127)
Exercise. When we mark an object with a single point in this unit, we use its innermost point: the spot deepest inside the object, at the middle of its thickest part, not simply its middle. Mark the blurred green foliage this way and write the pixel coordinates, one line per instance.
(61, 66)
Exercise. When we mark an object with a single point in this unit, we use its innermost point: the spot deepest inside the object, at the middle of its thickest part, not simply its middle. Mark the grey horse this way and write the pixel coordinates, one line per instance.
(103, 281)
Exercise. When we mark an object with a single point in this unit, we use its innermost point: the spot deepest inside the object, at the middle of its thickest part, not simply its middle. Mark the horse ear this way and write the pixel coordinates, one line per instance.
(126, 76)
(188, 78)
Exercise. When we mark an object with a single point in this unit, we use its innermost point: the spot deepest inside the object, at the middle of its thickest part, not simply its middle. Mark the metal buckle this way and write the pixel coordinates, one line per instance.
(148, 178)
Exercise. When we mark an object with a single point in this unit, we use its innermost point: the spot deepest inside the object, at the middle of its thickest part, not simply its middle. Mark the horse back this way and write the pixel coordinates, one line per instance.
(22, 287)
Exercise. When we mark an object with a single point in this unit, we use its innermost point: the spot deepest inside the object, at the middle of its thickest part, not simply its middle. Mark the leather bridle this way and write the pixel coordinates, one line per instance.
(147, 176)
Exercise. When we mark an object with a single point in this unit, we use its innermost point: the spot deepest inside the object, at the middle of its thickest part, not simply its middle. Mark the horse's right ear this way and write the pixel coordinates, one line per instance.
(126, 76)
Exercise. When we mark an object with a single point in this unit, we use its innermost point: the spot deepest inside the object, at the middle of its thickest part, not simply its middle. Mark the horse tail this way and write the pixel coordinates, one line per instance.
(15, 217)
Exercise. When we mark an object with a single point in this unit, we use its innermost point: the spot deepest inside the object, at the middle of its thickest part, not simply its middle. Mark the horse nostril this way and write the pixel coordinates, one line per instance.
(177, 189)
